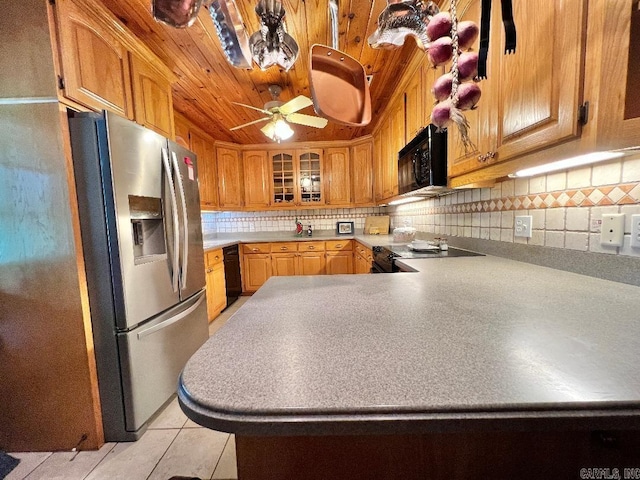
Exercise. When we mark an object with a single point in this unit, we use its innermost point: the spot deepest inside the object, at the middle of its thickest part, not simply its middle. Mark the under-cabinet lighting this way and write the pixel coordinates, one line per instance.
(400, 201)
(568, 163)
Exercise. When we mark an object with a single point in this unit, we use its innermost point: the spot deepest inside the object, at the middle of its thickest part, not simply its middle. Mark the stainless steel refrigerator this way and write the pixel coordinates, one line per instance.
(142, 239)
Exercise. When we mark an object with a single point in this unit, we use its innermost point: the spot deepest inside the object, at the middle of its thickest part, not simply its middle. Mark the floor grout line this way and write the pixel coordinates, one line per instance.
(102, 460)
(167, 449)
(220, 457)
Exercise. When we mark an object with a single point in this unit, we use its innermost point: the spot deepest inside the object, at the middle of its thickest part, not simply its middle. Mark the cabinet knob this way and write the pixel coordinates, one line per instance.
(311, 247)
(255, 249)
(339, 246)
(217, 257)
(284, 248)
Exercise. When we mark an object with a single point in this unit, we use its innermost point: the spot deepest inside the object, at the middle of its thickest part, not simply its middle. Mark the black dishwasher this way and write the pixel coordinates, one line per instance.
(232, 273)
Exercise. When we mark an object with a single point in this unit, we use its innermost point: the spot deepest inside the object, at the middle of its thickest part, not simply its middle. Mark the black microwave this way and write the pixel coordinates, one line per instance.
(423, 162)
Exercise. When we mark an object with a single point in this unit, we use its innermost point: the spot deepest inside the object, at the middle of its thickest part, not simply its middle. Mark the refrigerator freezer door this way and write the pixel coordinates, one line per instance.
(192, 277)
(144, 223)
(153, 355)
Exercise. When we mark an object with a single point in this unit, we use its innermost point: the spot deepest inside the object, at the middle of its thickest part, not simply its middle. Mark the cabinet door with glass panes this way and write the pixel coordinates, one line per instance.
(310, 177)
(284, 178)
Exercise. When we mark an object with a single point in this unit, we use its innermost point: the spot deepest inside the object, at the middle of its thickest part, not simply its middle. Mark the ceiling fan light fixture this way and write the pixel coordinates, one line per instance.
(282, 130)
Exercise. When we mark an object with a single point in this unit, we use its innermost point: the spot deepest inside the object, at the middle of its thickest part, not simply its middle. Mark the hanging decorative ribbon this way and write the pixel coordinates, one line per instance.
(485, 27)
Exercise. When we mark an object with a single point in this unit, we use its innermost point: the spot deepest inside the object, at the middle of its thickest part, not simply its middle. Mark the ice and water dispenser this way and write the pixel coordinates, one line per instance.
(147, 227)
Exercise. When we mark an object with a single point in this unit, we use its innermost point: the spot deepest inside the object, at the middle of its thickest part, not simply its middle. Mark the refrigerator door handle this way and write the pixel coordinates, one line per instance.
(174, 215)
(185, 244)
(170, 321)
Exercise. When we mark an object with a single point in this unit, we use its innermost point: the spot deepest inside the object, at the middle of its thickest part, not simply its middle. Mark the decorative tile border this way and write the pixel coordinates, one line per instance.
(623, 194)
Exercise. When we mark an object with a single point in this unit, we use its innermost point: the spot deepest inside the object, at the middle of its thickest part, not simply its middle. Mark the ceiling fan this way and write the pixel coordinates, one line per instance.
(279, 113)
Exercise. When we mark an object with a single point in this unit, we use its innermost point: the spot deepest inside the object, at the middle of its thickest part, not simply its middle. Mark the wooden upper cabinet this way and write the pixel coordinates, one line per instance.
(378, 162)
(463, 158)
(414, 104)
(537, 94)
(202, 146)
(152, 97)
(95, 63)
(284, 174)
(393, 140)
(337, 176)
(310, 177)
(230, 184)
(257, 183)
(531, 99)
(181, 130)
(362, 174)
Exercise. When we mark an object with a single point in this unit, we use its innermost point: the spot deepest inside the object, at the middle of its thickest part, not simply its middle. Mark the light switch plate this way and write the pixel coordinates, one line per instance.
(635, 231)
(523, 226)
(612, 233)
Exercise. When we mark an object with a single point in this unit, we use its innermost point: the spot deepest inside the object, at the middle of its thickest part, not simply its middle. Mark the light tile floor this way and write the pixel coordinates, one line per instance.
(173, 445)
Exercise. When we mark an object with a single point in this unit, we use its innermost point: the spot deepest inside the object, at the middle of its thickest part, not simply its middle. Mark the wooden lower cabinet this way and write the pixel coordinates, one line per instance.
(216, 287)
(363, 256)
(263, 260)
(339, 257)
(311, 263)
(256, 270)
(339, 263)
(284, 264)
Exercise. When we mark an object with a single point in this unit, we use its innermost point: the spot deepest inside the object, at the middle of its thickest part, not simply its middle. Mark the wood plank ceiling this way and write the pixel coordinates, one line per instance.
(207, 83)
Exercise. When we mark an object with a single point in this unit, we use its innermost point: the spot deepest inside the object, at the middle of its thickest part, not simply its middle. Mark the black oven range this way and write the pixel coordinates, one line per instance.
(384, 256)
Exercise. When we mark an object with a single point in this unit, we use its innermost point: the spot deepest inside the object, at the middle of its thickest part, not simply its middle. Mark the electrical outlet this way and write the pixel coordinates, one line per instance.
(635, 231)
(524, 224)
(612, 233)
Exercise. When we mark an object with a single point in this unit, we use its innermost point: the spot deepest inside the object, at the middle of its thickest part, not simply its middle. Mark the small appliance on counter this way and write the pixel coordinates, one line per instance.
(404, 234)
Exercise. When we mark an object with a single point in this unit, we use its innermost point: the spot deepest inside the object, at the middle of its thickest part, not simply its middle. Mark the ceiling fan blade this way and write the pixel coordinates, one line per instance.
(250, 123)
(308, 120)
(254, 108)
(295, 104)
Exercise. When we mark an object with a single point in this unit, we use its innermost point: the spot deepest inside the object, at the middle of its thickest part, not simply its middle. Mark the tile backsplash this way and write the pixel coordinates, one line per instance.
(284, 220)
(566, 207)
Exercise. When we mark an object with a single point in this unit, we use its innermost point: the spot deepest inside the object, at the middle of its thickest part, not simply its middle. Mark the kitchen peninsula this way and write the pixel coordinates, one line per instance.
(433, 374)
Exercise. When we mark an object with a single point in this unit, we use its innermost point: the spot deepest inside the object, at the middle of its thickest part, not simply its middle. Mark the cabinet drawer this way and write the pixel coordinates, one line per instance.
(311, 246)
(284, 247)
(339, 245)
(256, 248)
(214, 257)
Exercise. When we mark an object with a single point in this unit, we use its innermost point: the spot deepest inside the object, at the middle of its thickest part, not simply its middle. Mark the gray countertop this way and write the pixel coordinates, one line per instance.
(473, 342)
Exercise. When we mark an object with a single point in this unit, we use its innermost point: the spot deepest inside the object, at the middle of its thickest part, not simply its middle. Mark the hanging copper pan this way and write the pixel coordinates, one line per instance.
(338, 82)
